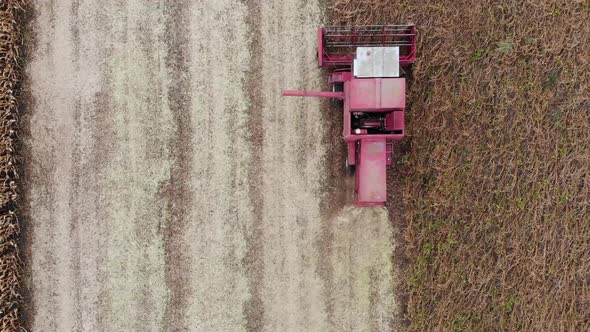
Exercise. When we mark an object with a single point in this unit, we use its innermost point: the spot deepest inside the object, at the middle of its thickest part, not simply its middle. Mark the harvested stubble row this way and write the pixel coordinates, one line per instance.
(496, 181)
(10, 264)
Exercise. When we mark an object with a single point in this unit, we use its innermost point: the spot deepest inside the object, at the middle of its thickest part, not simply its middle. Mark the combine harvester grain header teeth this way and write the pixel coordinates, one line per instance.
(368, 75)
(337, 45)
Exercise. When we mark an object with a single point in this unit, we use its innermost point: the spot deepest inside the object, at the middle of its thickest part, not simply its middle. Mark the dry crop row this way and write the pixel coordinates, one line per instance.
(496, 181)
(10, 264)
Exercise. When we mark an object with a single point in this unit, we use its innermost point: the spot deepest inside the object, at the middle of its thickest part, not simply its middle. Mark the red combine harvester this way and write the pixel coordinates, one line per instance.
(368, 75)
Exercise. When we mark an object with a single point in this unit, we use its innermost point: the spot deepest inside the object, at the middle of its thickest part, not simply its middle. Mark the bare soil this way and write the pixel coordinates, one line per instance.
(170, 187)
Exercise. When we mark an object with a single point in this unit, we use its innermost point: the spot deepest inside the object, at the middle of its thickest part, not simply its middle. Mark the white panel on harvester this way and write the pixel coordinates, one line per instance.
(373, 62)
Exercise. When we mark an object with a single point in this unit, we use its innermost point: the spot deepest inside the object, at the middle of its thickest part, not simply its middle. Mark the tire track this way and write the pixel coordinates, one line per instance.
(53, 203)
(221, 156)
(253, 261)
(143, 132)
(80, 289)
(76, 170)
(93, 140)
(179, 192)
(291, 213)
(363, 295)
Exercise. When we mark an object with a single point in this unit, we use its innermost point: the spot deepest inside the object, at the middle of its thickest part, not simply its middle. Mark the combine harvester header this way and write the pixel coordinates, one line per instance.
(368, 65)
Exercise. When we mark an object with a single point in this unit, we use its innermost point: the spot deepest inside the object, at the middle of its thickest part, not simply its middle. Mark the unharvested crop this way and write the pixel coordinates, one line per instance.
(495, 173)
(10, 265)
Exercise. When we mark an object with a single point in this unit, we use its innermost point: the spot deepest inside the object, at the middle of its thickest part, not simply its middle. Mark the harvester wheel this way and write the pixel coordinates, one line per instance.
(337, 87)
(349, 168)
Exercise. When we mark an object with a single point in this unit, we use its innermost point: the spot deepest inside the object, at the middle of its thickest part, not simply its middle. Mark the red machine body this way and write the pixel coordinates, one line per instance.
(368, 75)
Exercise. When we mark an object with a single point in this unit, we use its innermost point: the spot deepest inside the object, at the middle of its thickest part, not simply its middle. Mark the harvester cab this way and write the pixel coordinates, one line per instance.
(368, 65)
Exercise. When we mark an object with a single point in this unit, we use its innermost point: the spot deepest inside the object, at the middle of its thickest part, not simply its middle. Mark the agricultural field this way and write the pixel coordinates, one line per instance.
(169, 186)
(496, 174)
(161, 182)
